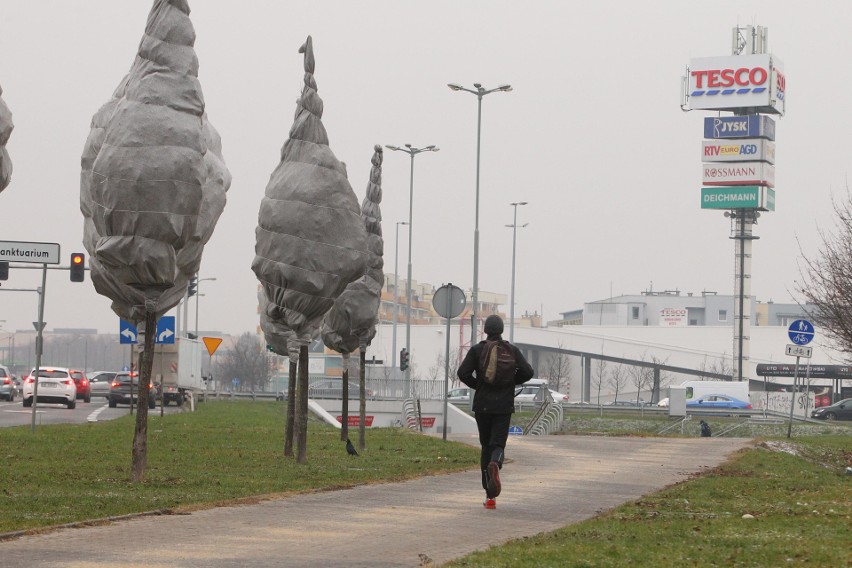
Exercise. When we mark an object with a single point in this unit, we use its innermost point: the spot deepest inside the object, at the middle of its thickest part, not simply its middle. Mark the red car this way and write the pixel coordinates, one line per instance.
(84, 389)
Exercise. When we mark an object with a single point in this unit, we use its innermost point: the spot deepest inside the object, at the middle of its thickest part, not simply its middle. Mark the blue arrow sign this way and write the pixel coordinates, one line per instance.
(127, 332)
(165, 330)
(801, 332)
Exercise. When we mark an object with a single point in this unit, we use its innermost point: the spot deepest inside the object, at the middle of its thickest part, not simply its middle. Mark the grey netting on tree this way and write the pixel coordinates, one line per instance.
(153, 180)
(6, 127)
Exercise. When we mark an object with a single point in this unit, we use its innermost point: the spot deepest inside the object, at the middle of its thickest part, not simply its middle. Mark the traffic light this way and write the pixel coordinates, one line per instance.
(78, 267)
(403, 359)
(193, 287)
(4, 270)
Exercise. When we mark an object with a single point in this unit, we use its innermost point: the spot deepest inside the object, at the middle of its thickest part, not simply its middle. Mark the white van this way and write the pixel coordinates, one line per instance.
(697, 389)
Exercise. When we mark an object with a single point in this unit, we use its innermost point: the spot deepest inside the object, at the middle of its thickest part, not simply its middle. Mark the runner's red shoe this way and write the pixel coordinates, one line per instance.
(490, 504)
(493, 479)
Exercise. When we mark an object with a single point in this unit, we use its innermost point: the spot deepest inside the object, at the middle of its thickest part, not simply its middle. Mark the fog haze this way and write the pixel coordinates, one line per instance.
(592, 136)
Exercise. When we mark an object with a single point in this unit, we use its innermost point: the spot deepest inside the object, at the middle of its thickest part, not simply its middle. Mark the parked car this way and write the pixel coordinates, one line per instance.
(461, 395)
(125, 387)
(664, 403)
(841, 410)
(99, 382)
(8, 385)
(55, 386)
(535, 393)
(717, 401)
(84, 390)
(627, 403)
(334, 389)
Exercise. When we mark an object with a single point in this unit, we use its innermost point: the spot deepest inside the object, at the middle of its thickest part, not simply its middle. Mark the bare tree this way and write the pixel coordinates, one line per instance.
(598, 378)
(618, 379)
(641, 377)
(246, 361)
(721, 366)
(557, 369)
(825, 282)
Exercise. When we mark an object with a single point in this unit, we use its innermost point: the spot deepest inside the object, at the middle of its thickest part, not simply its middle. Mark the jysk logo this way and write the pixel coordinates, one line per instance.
(710, 82)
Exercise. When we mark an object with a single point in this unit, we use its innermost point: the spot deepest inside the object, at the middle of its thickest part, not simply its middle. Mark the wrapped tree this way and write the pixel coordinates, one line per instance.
(351, 323)
(152, 186)
(310, 240)
(6, 127)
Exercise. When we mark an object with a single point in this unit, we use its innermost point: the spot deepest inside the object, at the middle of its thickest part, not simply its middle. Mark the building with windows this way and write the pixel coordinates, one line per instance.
(672, 308)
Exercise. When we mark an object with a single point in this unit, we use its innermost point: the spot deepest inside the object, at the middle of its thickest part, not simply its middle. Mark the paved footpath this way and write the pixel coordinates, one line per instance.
(549, 482)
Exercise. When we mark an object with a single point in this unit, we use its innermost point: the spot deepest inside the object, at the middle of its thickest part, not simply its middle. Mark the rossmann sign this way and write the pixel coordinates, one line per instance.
(741, 173)
(742, 150)
(737, 82)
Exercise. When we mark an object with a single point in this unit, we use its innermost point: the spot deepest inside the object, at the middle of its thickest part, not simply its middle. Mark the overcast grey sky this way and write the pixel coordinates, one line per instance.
(592, 137)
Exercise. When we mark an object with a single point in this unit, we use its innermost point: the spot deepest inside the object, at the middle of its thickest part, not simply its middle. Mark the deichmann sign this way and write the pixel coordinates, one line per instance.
(761, 198)
(673, 317)
(736, 82)
(747, 149)
(748, 126)
(37, 253)
(742, 173)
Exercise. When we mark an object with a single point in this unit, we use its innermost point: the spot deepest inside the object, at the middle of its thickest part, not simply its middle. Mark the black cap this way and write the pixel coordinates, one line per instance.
(493, 325)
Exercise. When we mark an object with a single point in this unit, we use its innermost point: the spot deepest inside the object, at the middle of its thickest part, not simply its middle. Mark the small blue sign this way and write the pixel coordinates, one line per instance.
(749, 126)
(127, 332)
(235, 381)
(125, 368)
(165, 330)
(516, 430)
(801, 332)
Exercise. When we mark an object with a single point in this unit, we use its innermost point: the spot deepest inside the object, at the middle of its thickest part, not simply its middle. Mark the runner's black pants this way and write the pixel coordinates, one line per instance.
(493, 433)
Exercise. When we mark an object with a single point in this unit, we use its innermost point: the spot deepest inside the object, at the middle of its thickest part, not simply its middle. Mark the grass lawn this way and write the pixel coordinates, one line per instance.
(223, 452)
(783, 503)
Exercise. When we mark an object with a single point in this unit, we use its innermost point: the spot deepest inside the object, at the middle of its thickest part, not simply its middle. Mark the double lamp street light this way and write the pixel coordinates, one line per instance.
(480, 92)
(411, 151)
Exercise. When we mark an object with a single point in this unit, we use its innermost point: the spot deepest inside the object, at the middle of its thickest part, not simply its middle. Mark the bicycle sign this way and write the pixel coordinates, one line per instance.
(801, 332)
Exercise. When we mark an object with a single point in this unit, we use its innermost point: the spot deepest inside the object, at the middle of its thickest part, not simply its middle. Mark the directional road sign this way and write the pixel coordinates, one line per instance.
(127, 332)
(38, 253)
(166, 330)
(800, 351)
(801, 332)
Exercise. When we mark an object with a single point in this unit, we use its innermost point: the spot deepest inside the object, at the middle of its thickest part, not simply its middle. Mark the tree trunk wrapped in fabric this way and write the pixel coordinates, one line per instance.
(6, 127)
(153, 183)
(351, 323)
(310, 240)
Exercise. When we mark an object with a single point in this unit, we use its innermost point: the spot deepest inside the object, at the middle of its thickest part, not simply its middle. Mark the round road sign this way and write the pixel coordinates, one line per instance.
(801, 332)
(449, 301)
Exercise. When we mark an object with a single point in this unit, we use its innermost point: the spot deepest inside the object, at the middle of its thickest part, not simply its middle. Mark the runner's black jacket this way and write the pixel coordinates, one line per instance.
(489, 399)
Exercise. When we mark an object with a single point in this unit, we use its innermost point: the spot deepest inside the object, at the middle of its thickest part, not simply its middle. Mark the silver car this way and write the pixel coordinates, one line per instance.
(100, 382)
(8, 385)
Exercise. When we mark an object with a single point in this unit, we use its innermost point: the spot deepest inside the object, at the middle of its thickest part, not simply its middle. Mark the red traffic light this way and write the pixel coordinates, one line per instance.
(78, 267)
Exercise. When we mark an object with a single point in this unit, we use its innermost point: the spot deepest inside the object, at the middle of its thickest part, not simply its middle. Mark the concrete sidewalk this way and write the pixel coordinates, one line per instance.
(548, 482)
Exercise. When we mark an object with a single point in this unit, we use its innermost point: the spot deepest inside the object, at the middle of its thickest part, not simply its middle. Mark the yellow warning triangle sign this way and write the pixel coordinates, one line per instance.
(212, 343)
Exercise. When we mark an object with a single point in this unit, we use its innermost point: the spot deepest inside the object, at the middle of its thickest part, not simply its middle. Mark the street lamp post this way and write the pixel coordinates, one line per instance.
(411, 152)
(395, 294)
(479, 92)
(514, 226)
(200, 280)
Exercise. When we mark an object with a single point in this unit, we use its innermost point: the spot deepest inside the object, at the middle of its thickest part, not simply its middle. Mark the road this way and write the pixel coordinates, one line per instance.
(14, 413)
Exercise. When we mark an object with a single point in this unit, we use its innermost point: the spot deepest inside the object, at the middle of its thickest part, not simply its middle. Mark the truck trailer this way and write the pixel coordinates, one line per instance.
(177, 369)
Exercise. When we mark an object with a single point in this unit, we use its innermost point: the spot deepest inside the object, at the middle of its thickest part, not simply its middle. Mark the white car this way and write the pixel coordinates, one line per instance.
(664, 403)
(534, 393)
(461, 395)
(55, 385)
